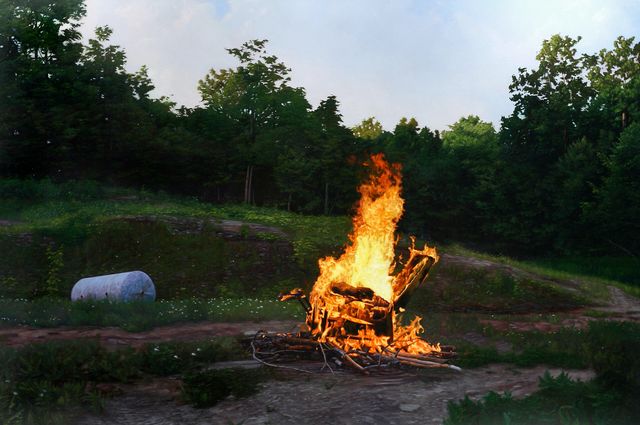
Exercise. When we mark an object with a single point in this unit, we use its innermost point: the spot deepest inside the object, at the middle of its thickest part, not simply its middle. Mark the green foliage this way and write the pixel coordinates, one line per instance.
(165, 359)
(369, 129)
(40, 382)
(140, 316)
(609, 347)
(622, 269)
(205, 389)
(56, 263)
(177, 241)
(558, 177)
(564, 348)
(459, 287)
(613, 348)
(620, 195)
(558, 401)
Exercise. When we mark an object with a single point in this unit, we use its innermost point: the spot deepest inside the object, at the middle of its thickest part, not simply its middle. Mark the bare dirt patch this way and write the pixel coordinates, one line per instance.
(396, 397)
(228, 229)
(112, 337)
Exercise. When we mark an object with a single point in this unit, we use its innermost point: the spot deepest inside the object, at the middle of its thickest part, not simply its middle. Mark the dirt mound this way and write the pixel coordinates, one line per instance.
(468, 284)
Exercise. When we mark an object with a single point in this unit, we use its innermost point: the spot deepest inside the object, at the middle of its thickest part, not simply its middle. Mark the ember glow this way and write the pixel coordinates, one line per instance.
(354, 303)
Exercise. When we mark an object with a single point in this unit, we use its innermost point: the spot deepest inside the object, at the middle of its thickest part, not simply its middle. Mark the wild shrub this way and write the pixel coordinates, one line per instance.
(613, 349)
(204, 389)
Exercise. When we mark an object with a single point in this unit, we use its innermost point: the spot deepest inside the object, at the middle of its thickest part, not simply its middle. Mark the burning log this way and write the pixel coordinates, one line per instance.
(296, 294)
(413, 274)
(270, 348)
(353, 308)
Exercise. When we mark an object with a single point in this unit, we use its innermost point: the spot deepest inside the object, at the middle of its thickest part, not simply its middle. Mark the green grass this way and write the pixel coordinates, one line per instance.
(61, 233)
(594, 286)
(205, 389)
(558, 401)
(465, 288)
(609, 348)
(38, 205)
(73, 230)
(565, 348)
(622, 269)
(139, 316)
(44, 383)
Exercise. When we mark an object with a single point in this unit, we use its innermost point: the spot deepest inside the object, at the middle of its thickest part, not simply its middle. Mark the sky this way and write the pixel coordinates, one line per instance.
(434, 60)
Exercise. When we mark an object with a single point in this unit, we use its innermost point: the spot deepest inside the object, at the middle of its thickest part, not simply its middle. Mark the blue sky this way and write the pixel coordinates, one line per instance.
(434, 60)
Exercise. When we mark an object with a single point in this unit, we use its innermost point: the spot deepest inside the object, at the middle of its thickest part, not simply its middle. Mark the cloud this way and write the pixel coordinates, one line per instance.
(435, 60)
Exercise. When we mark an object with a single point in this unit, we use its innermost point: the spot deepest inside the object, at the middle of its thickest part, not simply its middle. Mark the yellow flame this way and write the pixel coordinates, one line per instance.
(368, 262)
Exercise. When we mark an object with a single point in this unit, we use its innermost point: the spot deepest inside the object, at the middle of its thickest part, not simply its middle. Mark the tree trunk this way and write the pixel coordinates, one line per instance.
(326, 198)
(247, 184)
(289, 202)
(252, 199)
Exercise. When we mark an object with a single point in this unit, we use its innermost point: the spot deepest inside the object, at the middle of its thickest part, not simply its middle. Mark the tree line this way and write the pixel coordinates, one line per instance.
(561, 174)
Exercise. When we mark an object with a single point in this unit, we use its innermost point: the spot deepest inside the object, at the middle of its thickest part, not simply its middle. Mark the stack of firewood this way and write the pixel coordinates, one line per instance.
(280, 349)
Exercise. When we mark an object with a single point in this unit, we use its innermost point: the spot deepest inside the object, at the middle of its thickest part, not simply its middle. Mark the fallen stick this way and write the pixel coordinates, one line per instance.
(256, 358)
(427, 364)
(324, 356)
(427, 357)
(412, 360)
(344, 356)
(300, 341)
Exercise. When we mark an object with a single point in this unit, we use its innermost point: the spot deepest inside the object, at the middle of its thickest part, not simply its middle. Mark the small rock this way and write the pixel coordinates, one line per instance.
(260, 420)
(409, 407)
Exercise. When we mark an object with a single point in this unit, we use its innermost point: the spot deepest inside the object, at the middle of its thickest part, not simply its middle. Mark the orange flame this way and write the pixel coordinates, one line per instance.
(358, 289)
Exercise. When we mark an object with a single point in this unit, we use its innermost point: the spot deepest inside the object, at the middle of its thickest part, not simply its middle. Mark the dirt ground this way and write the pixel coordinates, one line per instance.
(17, 336)
(395, 397)
(345, 397)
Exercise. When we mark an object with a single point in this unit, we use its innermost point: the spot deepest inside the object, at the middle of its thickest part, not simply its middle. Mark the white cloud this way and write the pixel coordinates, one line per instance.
(435, 60)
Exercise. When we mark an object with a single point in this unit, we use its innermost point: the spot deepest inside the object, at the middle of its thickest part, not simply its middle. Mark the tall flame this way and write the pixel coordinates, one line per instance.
(359, 287)
(368, 262)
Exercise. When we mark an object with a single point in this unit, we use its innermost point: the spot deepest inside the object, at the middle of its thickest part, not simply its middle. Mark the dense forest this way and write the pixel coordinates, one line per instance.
(562, 174)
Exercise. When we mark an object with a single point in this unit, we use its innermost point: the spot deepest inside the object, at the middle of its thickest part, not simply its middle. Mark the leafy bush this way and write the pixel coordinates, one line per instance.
(564, 348)
(613, 349)
(204, 389)
(559, 400)
(41, 190)
(173, 358)
(40, 381)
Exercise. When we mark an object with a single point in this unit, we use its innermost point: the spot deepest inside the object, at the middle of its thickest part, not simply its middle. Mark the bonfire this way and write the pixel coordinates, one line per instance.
(354, 311)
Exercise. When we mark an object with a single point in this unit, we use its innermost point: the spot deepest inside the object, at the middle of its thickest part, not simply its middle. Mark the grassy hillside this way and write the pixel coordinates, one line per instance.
(203, 254)
(53, 235)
